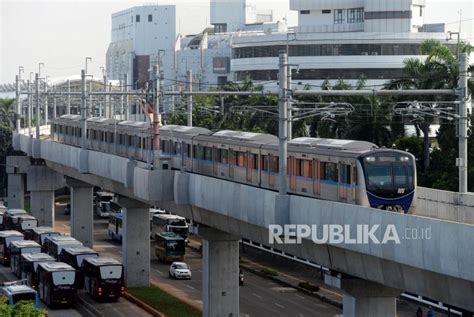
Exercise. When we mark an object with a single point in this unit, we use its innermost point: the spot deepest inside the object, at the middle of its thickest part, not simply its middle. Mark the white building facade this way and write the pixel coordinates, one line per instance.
(338, 39)
(138, 33)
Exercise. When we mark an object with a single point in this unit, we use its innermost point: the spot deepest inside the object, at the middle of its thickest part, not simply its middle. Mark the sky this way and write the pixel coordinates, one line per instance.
(62, 33)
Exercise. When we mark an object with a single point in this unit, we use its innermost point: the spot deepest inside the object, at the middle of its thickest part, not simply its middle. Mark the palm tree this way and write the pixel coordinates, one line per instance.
(7, 112)
(439, 70)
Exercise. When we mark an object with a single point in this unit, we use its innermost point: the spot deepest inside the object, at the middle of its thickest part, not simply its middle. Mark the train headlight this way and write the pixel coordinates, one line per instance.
(370, 159)
(404, 158)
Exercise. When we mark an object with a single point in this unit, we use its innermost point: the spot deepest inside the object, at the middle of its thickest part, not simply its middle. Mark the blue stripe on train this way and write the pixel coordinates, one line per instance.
(404, 201)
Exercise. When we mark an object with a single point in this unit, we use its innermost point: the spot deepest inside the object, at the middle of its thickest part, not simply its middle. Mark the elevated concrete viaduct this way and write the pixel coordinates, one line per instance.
(441, 267)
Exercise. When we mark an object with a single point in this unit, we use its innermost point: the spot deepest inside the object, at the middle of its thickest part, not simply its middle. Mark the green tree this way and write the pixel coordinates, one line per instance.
(7, 111)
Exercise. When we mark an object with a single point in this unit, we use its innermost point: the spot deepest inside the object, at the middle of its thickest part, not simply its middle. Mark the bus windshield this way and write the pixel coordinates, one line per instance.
(111, 272)
(24, 296)
(174, 247)
(64, 278)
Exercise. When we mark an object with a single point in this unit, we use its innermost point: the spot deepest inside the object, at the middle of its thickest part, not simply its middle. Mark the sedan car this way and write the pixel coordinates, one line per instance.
(179, 270)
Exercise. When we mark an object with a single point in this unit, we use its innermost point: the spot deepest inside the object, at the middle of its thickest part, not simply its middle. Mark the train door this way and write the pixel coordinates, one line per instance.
(344, 181)
(292, 172)
(232, 161)
(316, 177)
(271, 170)
(249, 167)
(215, 157)
(354, 183)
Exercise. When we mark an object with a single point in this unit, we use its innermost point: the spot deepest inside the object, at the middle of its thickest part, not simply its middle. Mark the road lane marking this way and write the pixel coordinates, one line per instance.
(258, 296)
(300, 296)
(189, 286)
(281, 306)
(158, 271)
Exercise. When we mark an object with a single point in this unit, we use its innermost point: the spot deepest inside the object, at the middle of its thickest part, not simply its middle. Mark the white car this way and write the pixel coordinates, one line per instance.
(180, 270)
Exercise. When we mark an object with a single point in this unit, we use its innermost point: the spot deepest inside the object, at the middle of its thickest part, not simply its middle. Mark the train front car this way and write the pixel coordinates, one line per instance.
(390, 179)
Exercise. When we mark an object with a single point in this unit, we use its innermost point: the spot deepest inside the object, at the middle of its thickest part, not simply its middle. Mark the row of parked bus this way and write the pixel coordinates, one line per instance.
(170, 233)
(55, 266)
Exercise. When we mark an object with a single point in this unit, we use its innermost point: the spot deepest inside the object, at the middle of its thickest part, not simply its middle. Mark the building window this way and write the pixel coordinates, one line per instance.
(355, 15)
(305, 12)
(338, 16)
(150, 18)
(220, 28)
(137, 18)
(326, 11)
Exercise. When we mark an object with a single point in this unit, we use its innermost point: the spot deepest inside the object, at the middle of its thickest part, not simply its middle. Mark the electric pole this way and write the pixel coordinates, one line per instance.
(38, 117)
(156, 117)
(125, 111)
(29, 107)
(83, 110)
(190, 98)
(18, 104)
(463, 105)
(283, 122)
(68, 109)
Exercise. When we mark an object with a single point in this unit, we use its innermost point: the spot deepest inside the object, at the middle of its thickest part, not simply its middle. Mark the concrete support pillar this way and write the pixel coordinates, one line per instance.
(136, 242)
(17, 167)
(82, 212)
(42, 182)
(16, 191)
(42, 206)
(220, 280)
(365, 298)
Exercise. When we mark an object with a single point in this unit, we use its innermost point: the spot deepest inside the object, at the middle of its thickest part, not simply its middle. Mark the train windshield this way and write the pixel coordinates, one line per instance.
(389, 177)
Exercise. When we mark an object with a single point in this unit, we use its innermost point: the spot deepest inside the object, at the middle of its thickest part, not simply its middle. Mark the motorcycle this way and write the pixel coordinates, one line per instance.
(241, 278)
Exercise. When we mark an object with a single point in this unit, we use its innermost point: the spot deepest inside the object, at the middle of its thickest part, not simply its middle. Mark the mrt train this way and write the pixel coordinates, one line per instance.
(348, 171)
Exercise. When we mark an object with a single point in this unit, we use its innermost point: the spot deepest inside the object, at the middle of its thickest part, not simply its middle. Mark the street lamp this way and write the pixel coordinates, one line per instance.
(88, 59)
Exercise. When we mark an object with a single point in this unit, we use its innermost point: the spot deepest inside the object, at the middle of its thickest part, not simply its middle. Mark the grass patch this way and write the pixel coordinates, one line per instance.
(308, 286)
(270, 272)
(164, 302)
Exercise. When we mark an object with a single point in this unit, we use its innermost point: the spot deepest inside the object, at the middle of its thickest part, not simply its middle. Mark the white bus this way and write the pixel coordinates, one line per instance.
(102, 203)
(170, 223)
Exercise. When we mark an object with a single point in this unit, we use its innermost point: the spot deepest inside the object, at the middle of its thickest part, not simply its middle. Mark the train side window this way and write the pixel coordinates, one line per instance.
(130, 140)
(252, 159)
(79, 134)
(297, 167)
(274, 164)
(264, 162)
(195, 151)
(216, 155)
(232, 157)
(111, 139)
(330, 172)
(223, 154)
(101, 135)
(177, 148)
(207, 153)
(241, 159)
(188, 147)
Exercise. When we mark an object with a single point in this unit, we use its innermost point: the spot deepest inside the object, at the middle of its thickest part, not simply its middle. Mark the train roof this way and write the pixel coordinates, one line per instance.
(134, 124)
(35, 257)
(56, 266)
(101, 120)
(102, 260)
(192, 131)
(74, 117)
(10, 233)
(80, 250)
(260, 138)
(25, 244)
(333, 144)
